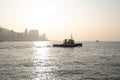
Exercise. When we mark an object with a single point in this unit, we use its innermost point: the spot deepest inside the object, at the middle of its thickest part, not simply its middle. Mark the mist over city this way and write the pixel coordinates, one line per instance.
(31, 35)
(88, 20)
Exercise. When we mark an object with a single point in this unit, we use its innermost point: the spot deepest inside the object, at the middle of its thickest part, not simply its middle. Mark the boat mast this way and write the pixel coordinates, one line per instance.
(71, 36)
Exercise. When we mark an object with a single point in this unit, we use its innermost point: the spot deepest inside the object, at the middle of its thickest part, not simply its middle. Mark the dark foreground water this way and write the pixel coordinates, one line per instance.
(41, 61)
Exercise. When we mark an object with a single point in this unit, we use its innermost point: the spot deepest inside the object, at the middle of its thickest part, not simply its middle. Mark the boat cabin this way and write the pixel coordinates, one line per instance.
(69, 42)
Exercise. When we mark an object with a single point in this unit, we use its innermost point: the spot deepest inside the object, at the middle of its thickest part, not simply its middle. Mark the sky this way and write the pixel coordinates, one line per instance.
(87, 20)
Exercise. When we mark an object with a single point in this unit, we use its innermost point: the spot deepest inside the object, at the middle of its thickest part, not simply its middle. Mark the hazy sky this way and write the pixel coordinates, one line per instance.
(86, 19)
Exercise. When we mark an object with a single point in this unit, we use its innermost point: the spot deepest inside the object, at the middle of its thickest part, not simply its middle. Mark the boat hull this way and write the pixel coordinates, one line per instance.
(63, 45)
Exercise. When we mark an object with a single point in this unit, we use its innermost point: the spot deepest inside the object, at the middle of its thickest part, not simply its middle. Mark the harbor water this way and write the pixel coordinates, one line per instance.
(40, 61)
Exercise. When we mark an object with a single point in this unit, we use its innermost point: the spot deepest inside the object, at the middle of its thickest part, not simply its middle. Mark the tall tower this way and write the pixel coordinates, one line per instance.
(71, 36)
(26, 32)
(25, 37)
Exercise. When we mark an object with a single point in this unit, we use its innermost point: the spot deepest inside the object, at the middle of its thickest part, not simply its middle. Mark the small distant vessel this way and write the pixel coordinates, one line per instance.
(1, 41)
(68, 43)
(97, 40)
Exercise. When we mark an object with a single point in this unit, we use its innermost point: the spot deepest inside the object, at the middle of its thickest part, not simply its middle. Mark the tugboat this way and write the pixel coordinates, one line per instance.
(68, 43)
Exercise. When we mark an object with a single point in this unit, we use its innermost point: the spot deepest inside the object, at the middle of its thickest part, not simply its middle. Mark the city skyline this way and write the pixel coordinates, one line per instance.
(26, 35)
(87, 20)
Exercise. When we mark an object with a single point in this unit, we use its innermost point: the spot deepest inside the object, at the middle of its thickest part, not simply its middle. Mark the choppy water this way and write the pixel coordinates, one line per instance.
(41, 61)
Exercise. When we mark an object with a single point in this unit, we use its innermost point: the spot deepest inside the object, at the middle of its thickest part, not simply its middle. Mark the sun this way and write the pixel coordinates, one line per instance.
(41, 15)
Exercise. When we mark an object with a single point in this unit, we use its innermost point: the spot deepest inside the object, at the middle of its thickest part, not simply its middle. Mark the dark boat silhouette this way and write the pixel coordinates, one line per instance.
(68, 43)
(1, 41)
(97, 40)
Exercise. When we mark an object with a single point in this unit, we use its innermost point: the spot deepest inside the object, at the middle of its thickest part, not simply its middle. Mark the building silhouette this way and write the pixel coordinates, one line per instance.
(31, 35)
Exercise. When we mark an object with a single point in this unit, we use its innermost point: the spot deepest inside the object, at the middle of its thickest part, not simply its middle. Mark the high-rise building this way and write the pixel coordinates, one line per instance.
(33, 34)
(26, 32)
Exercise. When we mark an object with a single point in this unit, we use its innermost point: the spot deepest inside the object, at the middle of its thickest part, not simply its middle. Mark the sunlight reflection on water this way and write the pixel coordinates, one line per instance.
(42, 67)
(41, 51)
